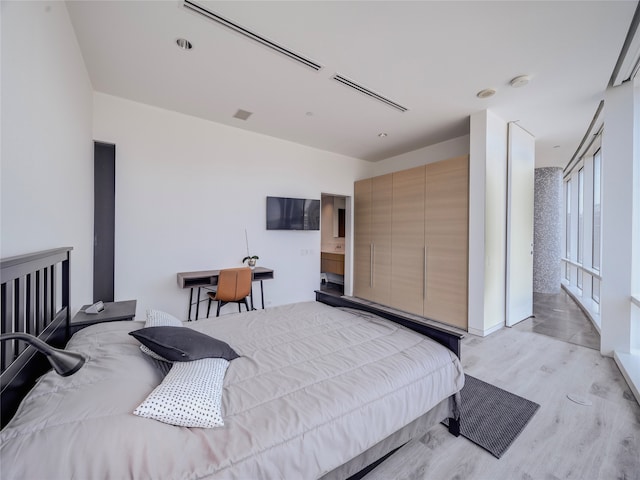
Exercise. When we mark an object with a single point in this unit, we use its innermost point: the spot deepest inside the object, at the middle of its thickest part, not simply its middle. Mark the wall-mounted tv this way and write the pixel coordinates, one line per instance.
(293, 214)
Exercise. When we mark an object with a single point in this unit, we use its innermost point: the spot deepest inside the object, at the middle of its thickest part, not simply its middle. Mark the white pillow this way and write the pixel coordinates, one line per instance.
(158, 318)
(189, 396)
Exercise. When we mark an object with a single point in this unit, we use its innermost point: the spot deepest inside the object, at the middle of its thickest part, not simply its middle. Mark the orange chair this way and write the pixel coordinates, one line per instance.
(234, 286)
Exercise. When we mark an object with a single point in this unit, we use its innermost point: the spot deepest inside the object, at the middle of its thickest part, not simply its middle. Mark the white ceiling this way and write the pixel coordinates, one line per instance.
(431, 57)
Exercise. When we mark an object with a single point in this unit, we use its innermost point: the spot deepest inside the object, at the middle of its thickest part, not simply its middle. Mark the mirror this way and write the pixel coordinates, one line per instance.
(339, 206)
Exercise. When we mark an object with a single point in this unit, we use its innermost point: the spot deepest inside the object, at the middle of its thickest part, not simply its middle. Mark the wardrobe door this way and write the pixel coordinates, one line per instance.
(362, 206)
(381, 198)
(446, 220)
(407, 243)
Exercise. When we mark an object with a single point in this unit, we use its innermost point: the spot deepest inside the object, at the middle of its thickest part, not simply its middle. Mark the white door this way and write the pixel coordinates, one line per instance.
(520, 194)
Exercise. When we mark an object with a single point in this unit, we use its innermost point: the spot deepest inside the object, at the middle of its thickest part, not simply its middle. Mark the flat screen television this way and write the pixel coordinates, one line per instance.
(293, 213)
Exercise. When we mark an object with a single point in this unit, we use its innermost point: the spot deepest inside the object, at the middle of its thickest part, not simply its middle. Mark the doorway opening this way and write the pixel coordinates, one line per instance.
(104, 158)
(334, 233)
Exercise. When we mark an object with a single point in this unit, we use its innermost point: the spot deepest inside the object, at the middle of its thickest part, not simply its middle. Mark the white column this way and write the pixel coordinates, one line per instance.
(547, 246)
(618, 151)
(487, 222)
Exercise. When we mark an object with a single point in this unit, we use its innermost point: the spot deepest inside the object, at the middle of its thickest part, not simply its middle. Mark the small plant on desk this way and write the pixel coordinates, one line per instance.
(251, 260)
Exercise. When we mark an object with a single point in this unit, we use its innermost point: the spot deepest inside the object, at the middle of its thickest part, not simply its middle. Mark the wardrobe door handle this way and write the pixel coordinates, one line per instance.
(424, 293)
(371, 257)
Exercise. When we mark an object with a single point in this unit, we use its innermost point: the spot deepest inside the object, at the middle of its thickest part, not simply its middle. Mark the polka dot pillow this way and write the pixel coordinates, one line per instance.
(189, 396)
(157, 318)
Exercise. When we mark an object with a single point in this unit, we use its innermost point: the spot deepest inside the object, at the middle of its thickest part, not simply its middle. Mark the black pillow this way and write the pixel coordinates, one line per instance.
(180, 344)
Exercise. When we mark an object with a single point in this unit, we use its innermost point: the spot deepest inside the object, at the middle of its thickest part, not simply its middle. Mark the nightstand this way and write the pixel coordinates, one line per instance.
(113, 311)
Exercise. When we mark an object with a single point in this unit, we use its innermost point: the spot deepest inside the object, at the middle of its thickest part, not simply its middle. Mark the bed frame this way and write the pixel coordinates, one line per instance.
(35, 300)
(449, 338)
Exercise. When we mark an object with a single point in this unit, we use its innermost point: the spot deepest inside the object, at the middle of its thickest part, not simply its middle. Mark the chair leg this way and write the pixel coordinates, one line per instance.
(246, 304)
(218, 309)
(239, 307)
(208, 307)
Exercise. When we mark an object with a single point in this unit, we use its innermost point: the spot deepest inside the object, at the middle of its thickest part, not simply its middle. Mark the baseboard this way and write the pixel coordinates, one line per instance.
(629, 365)
(572, 292)
(488, 331)
(334, 278)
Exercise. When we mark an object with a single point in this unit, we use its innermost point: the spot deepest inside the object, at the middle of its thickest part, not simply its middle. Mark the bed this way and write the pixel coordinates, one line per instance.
(320, 389)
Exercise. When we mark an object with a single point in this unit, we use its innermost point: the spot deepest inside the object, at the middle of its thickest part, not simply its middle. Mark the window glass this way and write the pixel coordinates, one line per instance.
(567, 232)
(580, 248)
(597, 159)
(568, 219)
(595, 289)
(579, 279)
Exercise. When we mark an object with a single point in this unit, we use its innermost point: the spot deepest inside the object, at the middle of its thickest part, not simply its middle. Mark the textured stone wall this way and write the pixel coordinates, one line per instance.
(547, 230)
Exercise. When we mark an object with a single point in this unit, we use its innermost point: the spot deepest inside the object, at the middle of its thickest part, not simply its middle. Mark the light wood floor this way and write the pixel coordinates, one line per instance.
(564, 440)
(557, 315)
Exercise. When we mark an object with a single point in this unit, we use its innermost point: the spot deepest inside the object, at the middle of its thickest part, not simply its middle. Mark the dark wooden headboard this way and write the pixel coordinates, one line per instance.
(34, 300)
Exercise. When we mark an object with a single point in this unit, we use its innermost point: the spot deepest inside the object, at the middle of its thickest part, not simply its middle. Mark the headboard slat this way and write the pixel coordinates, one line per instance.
(30, 304)
(35, 299)
(47, 294)
(19, 323)
(39, 299)
(8, 353)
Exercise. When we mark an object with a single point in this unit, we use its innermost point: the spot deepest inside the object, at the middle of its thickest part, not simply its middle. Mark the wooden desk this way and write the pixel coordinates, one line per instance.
(209, 278)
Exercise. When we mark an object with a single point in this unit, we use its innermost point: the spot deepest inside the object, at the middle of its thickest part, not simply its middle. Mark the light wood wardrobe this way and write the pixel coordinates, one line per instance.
(411, 240)
(372, 238)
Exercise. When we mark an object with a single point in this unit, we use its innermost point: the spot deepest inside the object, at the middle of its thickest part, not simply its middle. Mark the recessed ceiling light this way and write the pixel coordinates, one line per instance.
(382, 135)
(184, 44)
(487, 92)
(519, 81)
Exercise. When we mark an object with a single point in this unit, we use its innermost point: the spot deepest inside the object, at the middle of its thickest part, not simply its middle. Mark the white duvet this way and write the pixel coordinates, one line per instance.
(314, 387)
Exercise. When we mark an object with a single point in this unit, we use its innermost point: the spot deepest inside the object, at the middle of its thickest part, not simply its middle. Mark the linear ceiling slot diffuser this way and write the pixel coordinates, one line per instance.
(366, 91)
(249, 34)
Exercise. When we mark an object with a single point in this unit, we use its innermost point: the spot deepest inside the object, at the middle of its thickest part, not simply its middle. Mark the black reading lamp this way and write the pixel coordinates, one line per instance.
(65, 363)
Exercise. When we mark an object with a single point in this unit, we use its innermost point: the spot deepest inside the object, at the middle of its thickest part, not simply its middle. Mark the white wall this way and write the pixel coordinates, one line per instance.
(187, 188)
(487, 222)
(47, 148)
(456, 147)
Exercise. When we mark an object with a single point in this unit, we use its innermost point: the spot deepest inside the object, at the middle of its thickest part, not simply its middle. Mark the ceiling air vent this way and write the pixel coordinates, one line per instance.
(249, 34)
(242, 114)
(366, 91)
